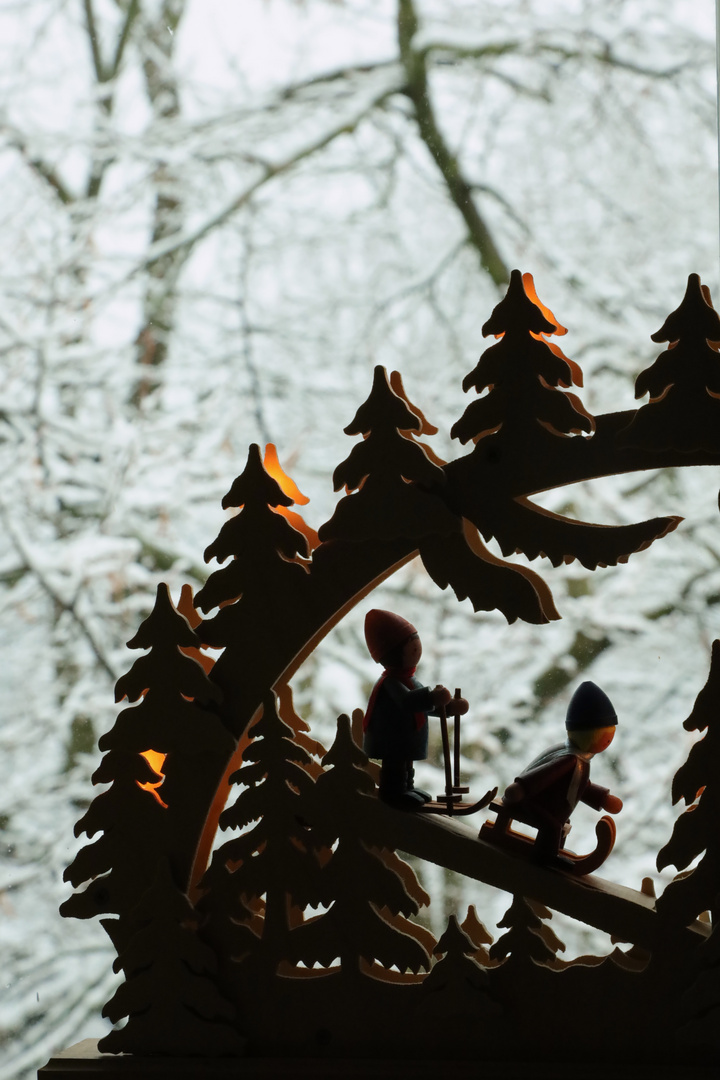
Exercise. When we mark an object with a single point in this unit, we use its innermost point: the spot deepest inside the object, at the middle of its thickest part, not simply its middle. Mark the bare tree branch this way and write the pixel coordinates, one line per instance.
(246, 335)
(603, 53)
(459, 188)
(338, 74)
(105, 75)
(269, 172)
(133, 11)
(61, 605)
(161, 290)
(94, 40)
(45, 172)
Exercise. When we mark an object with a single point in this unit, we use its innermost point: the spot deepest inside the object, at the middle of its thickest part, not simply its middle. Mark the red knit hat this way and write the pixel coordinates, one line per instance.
(384, 631)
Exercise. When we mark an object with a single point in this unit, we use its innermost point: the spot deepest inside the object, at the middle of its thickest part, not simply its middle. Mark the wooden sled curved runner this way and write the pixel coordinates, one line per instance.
(498, 832)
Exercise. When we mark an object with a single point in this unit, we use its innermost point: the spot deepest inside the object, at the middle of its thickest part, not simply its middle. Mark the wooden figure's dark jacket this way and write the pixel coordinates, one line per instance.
(396, 725)
(554, 783)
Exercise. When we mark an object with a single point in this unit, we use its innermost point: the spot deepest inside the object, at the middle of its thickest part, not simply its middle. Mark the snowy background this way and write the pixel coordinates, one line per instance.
(217, 216)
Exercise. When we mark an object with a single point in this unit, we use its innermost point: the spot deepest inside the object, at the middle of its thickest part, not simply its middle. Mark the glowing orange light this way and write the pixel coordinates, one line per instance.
(287, 484)
(156, 761)
(288, 487)
(529, 285)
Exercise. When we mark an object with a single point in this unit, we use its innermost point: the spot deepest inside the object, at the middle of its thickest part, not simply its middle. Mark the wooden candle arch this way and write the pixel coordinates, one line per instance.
(224, 960)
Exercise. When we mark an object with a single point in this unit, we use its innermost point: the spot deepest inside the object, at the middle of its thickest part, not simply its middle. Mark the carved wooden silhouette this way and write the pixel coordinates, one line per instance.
(276, 857)
(297, 934)
(479, 935)
(364, 887)
(699, 1006)
(528, 936)
(528, 416)
(169, 996)
(261, 544)
(391, 475)
(457, 971)
(174, 720)
(525, 375)
(696, 831)
(684, 382)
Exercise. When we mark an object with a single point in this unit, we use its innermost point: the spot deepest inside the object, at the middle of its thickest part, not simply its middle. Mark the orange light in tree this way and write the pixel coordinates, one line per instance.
(531, 294)
(289, 487)
(156, 761)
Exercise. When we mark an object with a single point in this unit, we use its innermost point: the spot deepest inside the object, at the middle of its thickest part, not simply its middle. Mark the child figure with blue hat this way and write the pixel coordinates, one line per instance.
(545, 794)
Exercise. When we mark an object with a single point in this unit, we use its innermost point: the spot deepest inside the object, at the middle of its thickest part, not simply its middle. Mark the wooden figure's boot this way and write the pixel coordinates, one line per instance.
(393, 786)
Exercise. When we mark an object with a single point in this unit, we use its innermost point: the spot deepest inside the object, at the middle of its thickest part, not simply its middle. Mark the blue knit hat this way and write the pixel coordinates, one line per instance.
(590, 707)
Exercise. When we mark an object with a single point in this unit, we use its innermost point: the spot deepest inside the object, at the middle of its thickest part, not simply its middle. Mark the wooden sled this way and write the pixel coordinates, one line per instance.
(501, 835)
(452, 805)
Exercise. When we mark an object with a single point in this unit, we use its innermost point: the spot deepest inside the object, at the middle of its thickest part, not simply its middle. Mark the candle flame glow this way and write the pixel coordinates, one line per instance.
(288, 487)
(156, 761)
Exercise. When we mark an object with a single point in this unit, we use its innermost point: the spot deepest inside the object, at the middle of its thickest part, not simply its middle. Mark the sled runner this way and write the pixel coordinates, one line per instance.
(500, 834)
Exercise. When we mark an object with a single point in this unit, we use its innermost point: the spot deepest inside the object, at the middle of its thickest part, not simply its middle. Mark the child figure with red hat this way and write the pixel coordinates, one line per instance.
(545, 794)
(396, 719)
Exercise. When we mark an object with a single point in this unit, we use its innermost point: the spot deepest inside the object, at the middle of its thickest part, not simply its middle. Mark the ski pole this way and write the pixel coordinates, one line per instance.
(457, 786)
(449, 798)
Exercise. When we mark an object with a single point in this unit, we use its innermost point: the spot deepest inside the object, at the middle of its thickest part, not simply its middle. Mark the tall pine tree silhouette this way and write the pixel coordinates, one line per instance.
(697, 831)
(137, 816)
(371, 897)
(525, 375)
(263, 549)
(265, 554)
(231, 927)
(391, 475)
(684, 382)
(276, 858)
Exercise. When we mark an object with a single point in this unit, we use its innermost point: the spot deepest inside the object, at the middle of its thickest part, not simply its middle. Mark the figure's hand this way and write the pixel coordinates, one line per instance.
(457, 707)
(612, 804)
(440, 695)
(513, 792)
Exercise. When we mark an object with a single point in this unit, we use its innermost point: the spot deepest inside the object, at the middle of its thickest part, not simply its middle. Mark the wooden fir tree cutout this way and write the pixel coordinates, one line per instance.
(296, 932)
(276, 857)
(696, 831)
(526, 416)
(370, 892)
(171, 1001)
(528, 936)
(174, 725)
(684, 382)
(457, 990)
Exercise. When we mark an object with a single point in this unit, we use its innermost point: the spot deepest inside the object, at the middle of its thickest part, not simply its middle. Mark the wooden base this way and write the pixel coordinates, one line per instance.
(83, 1061)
